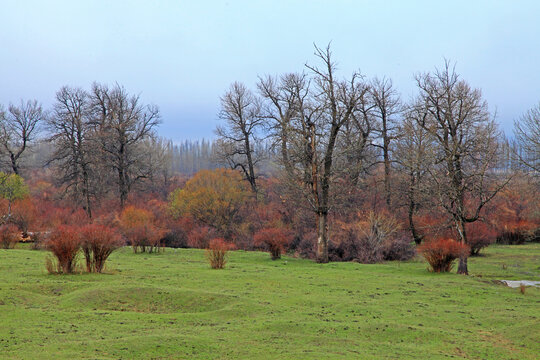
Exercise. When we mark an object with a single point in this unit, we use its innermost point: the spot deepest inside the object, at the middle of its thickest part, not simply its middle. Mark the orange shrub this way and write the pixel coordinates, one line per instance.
(440, 254)
(274, 239)
(64, 242)
(217, 252)
(138, 226)
(98, 242)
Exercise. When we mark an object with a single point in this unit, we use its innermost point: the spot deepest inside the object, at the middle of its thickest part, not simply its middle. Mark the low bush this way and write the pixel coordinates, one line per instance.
(9, 236)
(479, 235)
(398, 248)
(274, 239)
(304, 245)
(440, 254)
(64, 242)
(512, 238)
(216, 253)
(98, 242)
(372, 239)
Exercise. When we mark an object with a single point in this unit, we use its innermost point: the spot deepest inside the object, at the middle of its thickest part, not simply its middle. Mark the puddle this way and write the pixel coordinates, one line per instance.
(518, 283)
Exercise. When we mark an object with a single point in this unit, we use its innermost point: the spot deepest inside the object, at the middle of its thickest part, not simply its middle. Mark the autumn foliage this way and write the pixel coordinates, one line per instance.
(64, 242)
(98, 242)
(9, 235)
(274, 239)
(216, 253)
(479, 236)
(212, 198)
(139, 227)
(440, 254)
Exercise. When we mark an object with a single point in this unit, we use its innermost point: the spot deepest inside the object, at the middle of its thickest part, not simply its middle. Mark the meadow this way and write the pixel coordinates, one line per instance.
(172, 305)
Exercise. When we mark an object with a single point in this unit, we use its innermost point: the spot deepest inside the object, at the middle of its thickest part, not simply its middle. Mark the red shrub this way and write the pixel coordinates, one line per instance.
(64, 242)
(479, 236)
(98, 242)
(440, 254)
(275, 239)
(9, 236)
(217, 252)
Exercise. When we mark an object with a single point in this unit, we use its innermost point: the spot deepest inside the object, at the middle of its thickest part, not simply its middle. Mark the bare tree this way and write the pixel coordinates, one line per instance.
(282, 97)
(355, 145)
(159, 153)
(122, 124)
(74, 153)
(466, 139)
(386, 109)
(414, 155)
(18, 128)
(313, 135)
(240, 110)
(527, 132)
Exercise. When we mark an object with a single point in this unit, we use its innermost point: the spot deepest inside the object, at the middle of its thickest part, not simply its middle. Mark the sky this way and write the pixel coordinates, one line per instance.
(183, 55)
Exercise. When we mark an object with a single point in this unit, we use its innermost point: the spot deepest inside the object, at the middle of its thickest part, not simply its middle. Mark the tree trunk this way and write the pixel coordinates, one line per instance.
(251, 174)
(416, 237)
(322, 237)
(462, 267)
(14, 164)
(387, 193)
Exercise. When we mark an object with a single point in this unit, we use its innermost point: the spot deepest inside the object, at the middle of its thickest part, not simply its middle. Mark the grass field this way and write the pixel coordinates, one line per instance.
(172, 305)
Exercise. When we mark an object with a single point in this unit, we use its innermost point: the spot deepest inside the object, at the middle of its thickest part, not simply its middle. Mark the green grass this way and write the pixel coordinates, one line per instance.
(172, 305)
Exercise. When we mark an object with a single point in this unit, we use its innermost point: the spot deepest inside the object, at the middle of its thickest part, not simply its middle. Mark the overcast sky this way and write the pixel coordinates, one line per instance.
(182, 55)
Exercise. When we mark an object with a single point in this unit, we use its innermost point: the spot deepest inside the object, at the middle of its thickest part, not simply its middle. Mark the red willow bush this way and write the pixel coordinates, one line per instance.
(98, 242)
(9, 236)
(441, 253)
(64, 242)
(216, 253)
(274, 239)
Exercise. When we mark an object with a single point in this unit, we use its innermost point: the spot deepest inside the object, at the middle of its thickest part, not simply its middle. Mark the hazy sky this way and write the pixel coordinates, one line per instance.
(182, 55)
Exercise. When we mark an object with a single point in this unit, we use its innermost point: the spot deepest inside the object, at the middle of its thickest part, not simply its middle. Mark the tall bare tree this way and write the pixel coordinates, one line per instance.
(313, 136)
(237, 138)
(386, 109)
(414, 155)
(75, 153)
(466, 139)
(527, 132)
(122, 124)
(18, 128)
(281, 99)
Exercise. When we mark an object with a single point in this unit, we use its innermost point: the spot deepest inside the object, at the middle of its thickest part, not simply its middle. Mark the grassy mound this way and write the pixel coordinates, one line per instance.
(144, 300)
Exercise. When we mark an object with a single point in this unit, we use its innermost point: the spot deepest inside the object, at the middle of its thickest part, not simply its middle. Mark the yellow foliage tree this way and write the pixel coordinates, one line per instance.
(213, 198)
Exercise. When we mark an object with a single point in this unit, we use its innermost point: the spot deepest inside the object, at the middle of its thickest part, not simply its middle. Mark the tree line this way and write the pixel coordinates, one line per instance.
(318, 140)
(441, 149)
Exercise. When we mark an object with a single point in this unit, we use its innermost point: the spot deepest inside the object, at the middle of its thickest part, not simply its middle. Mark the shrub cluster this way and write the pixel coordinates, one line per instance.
(441, 253)
(96, 241)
